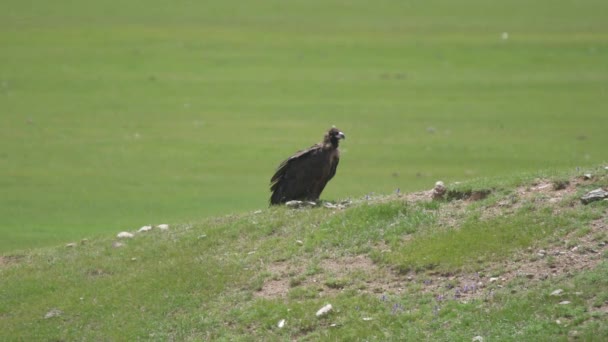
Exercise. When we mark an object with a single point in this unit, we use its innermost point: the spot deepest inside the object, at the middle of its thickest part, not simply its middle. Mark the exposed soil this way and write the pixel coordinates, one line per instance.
(8, 260)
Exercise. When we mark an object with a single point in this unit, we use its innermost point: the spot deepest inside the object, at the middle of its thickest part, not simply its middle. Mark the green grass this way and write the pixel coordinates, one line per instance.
(207, 279)
(118, 114)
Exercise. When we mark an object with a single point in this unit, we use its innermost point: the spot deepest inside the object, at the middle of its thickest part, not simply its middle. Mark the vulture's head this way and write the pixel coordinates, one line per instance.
(333, 136)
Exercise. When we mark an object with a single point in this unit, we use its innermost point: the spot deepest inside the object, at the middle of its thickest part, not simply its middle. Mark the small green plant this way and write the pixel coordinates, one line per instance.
(560, 184)
(337, 283)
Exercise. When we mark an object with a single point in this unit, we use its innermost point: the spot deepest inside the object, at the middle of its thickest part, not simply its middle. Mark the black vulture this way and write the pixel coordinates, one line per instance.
(304, 175)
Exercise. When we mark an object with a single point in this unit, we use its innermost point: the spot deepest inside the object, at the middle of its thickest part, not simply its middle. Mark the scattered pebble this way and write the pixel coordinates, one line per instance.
(493, 279)
(70, 245)
(557, 292)
(299, 204)
(594, 195)
(53, 313)
(163, 226)
(439, 190)
(587, 176)
(565, 302)
(257, 212)
(299, 242)
(123, 235)
(324, 310)
(477, 339)
(281, 323)
(144, 229)
(367, 318)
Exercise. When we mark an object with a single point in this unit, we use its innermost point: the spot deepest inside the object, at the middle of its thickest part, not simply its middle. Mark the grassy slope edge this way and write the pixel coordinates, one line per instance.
(393, 267)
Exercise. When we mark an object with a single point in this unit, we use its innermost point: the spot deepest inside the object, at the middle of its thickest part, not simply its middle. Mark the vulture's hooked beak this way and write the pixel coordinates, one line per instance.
(341, 135)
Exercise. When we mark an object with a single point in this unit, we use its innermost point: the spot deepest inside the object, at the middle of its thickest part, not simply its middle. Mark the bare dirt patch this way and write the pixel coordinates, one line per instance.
(332, 276)
(9, 260)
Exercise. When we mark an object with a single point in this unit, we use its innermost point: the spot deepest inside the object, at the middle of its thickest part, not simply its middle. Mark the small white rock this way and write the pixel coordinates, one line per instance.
(493, 280)
(144, 229)
(566, 302)
(70, 245)
(281, 323)
(477, 339)
(324, 310)
(367, 318)
(163, 226)
(123, 235)
(439, 190)
(557, 292)
(299, 242)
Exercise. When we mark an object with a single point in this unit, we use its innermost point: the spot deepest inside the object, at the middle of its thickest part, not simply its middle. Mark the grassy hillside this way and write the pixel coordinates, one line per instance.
(115, 114)
(511, 259)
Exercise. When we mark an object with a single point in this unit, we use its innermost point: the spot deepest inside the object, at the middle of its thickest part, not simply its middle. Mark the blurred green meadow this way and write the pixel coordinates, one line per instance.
(116, 114)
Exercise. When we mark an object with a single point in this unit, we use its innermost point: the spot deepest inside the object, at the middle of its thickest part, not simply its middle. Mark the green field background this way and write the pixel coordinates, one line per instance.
(116, 114)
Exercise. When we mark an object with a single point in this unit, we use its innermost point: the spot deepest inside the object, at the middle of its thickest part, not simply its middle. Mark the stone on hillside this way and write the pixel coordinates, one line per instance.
(594, 195)
(163, 226)
(300, 204)
(439, 190)
(324, 310)
(281, 323)
(477, 339)
(557, 292)
(566, 302)
(70, 245)
(124, 235)
(144, 229)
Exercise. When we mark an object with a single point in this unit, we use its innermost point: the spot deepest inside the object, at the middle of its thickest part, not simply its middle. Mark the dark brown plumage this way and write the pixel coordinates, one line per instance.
(304, 175)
